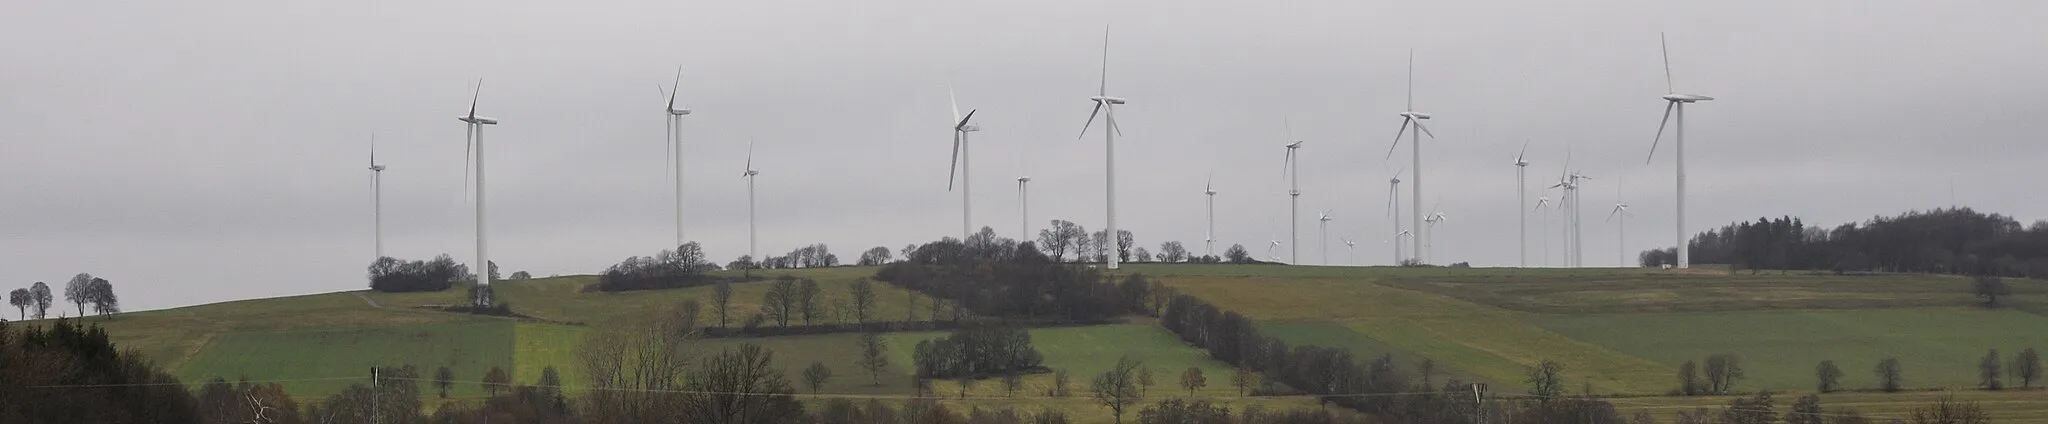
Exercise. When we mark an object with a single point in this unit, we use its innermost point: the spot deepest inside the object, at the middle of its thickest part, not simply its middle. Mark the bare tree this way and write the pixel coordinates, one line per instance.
(1989, 370)
(1192, 379)
(863, 293)
(1723, 370)
(1806, 410)
(79, 291)
(1689, 378)
(21, 301)
(1118, 388)
(1889, 373)
(496, 380)
(444, 379)
(1172, 251)
(2027, 367)
(1012, 382)
(873, 355)
(1829, 375)
(1948, 410)
(875, 256)
(721, 300)
(40, 293)
(807, 300)
(739, 386)
(634, 366)
(1243, 379)
(1546, 380)
(1061, 384)
(816, 375)
(1990, 289)
(780, 302)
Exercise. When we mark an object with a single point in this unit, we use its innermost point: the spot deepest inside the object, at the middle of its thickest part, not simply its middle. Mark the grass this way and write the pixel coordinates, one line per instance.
(564, 298)
(1936, 348)
(2005, 407)
(320, 356)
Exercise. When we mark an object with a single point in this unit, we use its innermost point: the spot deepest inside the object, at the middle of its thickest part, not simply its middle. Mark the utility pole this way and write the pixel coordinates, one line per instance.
(376, 404)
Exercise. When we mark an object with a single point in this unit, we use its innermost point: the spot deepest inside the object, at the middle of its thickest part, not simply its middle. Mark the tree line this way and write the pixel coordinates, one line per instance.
(388, 274)
(83, 289)
(1002, 278)
(976, 352)
(683, 266)
(1940, 241)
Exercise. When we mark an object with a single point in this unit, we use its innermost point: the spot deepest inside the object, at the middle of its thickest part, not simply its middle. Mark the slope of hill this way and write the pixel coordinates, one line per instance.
(1620, 330)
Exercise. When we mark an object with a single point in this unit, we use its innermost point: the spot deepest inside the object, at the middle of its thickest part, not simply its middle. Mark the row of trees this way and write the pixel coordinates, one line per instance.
(999, 277)
(978, 351)
(683, 266)
(1950, 241)
(84, 289)
(388, 274)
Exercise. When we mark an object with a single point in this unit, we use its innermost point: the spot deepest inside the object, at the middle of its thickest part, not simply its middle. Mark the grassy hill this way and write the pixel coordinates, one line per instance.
(1620, 330)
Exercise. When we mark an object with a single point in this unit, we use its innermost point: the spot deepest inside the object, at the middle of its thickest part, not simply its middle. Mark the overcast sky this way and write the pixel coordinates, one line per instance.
(202, 151)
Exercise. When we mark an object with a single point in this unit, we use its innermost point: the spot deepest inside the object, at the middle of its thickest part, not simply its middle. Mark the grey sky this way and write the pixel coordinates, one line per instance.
(205, 151)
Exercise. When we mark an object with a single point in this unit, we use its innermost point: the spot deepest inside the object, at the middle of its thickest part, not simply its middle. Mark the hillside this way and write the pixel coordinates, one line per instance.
(1622, 331)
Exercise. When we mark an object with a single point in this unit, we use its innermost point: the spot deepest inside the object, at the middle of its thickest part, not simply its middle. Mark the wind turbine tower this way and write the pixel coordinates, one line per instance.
(674, 145)
(1105, 103)
(1209, 239)
(960, 129)
(1521, 198)
(1413, 118)
(1674, 100)
(1323, 239)
(1394, 210)
(1024, 207)
(749, 174)
(377, 195)
(1291, 170)
(474, 139)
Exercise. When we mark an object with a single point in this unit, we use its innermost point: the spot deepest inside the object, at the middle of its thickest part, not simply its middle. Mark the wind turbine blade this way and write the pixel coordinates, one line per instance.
(1209, 184)
(1425, 130)
(678, 89)
(1411, 80)
(1091, 120)
(1110, 119)
(468, 144)
(1391, 192)
(1524, 152)
(1284, 162)
(962, 126)
(1666, 48)
(955, 100)
(1103, 90)
(750, 154)
(373, 149)
(668, 153)
(1397, 137)
(1660, 131)
(473, 96)
(955, 168)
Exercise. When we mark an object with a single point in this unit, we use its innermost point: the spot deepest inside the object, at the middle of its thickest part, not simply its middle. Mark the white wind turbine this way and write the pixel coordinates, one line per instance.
(1271, 247)
(1673, 100)
(1429, 233)
(1323, 240)
(1413, 118)
(474, 140)
(377, 194)
(674, 144)
(1620, 229)
(1024, 207)
(960, 129)
(1290, 169)
(1394, 210)
(1543, 204)
(1209, 239)
(749, 175)
(1576, 192)
(1522, 197)
(1350, 251)
(1104, 101)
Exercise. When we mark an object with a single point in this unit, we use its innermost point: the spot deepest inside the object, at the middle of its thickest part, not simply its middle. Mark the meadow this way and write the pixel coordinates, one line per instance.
(1622, 331)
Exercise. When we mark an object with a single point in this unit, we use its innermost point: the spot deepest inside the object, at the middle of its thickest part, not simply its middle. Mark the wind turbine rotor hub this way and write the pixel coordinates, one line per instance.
(1686, 98)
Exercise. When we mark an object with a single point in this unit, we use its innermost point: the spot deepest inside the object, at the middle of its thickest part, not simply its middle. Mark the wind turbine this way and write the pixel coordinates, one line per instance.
(1620, 231)
(1104, 101)
(474, 141)
(1674, 100)
(1323, 240)
(1024, 206)
(1543, 204)
(1270, 248)
(1350, 251)
(377, 190)
(674, 144)
(1577, 193)
(1290, 169)
(1522, 197)
(1209, 240)
(1394, 210)
(749, 175)
(1413, 118)
(960, 129)
(1429, 234)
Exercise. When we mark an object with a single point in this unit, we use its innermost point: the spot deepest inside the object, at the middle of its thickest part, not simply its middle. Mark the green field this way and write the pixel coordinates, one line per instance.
(1624, 331)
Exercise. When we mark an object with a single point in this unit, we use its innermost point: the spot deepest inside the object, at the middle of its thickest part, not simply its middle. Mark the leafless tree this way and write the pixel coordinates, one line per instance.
(1118, 388)
(863, 293)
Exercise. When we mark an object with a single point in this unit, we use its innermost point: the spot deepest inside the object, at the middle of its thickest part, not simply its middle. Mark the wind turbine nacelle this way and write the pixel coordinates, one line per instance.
(1686, 98)
(1110, 100)
(970, 128)
(477, 120)
(679, 112)
(1415, 115)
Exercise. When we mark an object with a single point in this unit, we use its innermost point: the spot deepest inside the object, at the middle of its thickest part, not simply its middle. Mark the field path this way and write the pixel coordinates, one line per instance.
(366, 299)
